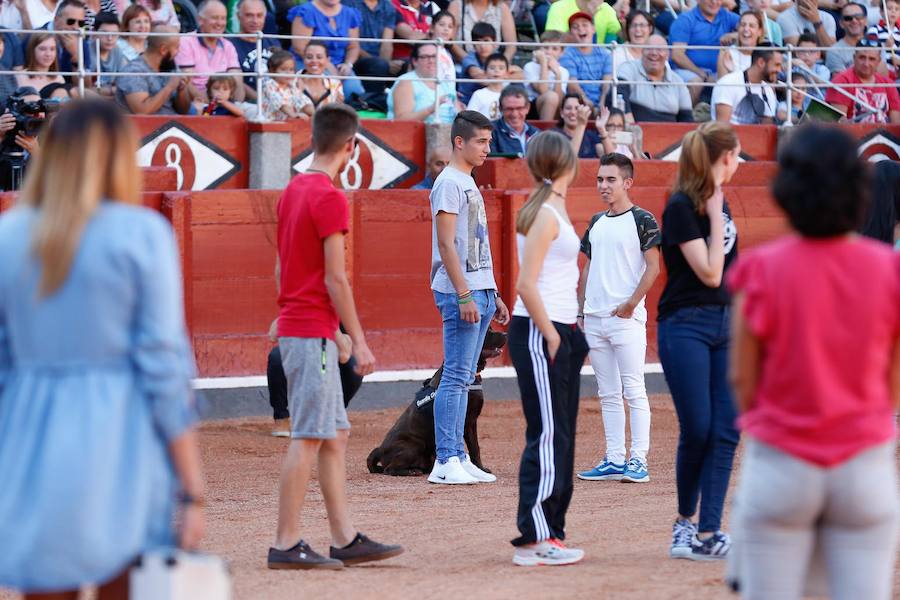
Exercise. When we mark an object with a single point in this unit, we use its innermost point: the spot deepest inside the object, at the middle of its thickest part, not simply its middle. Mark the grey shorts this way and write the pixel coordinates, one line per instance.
(314, 387)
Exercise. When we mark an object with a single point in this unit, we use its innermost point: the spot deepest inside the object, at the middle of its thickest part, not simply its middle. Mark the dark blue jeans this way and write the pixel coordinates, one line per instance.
(693, 349)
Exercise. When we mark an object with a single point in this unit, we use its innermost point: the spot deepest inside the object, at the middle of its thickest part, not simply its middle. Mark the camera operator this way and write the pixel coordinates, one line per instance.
(23, 117)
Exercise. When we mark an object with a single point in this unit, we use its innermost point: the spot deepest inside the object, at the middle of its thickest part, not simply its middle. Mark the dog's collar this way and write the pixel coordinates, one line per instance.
(477, 387)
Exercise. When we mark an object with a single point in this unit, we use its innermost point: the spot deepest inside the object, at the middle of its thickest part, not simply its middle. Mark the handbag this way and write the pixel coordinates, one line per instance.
(178, 575)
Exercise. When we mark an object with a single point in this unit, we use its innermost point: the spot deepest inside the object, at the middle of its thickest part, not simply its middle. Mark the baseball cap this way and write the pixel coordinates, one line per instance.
(581, 15)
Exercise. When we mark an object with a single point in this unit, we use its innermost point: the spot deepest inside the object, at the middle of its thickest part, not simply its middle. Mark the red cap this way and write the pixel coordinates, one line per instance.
(580, 15)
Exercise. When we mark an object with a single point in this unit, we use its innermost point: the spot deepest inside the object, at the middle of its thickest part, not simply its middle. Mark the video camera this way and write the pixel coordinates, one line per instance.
(30, 112)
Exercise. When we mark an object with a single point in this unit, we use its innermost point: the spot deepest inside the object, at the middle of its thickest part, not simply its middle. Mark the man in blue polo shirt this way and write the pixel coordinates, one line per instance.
(703, 25)
(588, 62)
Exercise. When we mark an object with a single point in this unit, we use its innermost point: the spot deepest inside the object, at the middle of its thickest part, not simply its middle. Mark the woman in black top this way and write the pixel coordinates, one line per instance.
(699, 243)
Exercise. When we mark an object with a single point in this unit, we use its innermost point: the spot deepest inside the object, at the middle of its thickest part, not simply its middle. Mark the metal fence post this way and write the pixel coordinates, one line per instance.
(81, 70)
(790, 87)
(260, 115)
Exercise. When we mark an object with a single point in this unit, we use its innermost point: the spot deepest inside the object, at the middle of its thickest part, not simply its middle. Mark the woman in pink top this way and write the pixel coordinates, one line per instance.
(816, 367)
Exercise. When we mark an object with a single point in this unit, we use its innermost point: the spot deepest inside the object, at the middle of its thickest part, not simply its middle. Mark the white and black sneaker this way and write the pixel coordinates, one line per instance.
(715, 547)
(470, 468)
(450, 473)
(546, 553)
(683, 534)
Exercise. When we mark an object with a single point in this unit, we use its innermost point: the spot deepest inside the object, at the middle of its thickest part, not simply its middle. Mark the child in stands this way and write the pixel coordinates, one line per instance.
(487, 99)
(283, 96)
(220, 90)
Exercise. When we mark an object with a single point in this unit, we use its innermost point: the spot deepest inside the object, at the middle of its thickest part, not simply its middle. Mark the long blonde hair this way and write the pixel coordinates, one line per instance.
(550, 156)
(87, 154)
(701, 148)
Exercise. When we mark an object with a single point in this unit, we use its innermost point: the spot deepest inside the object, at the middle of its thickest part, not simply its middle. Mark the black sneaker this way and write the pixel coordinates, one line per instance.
(714, 547)
(362, 549)
(301, 556)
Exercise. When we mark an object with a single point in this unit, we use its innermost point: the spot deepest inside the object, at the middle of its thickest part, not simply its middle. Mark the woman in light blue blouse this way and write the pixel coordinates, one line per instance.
(96, 412)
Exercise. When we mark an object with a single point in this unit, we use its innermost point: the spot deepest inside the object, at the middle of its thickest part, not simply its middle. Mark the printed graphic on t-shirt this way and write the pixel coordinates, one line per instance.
(877, 99)
(730, 232)
(479, 253)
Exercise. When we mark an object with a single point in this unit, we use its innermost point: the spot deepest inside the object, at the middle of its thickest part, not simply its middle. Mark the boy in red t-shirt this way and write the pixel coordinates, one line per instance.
(314, 293)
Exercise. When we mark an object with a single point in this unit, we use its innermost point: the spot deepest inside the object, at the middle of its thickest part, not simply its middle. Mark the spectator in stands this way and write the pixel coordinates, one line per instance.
(162, 12)
(704, 25)
(413, 96)
(573, 119)
(771, 29)
(415, 17)
(148, 93)
(885, 99)
(512, 131)
(209, 54)
(38, 12)
(487, 99)
(220, 91)
(378, 18)
(320, 89)
(666, 103)
(806, 16)
(601, 14)
(92, 8)
(11, 17)
(136, 19)
(638, 28)
(473, 64)
(853, 21)
(799, 100)
(588, 62)
(111, 59)
(544, 66)
(252, 17)
(443, 27)
(808, 59)
(283, 96)
(438, 158)
(10, 59)
(887, 33)
(494, 12)
(611, 124)
(70, 16)
(328, 19)
(740, 44)
(40, 58)
(747, 98)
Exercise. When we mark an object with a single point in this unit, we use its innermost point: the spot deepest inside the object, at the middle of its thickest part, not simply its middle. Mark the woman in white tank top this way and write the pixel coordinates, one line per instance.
(547, 350)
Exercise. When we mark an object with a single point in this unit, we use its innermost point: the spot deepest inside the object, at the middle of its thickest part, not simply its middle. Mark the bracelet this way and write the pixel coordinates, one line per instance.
(186, 499)
(468, 300)
(580, 316)
(464, 295)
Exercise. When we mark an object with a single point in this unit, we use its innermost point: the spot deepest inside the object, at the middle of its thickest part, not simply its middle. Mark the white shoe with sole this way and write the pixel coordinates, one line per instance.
(475, 472)
(548, 552)
(450, 473)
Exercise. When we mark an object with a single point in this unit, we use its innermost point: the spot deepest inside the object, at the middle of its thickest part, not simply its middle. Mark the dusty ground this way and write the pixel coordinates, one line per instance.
(456, 538)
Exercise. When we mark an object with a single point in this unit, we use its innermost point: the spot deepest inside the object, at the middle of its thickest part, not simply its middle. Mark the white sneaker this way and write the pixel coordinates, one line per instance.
(451, 472)
(548, 552)
(475, 472)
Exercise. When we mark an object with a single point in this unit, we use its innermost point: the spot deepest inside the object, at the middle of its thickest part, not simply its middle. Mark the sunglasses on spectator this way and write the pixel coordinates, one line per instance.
(848, 18)
(79, 22)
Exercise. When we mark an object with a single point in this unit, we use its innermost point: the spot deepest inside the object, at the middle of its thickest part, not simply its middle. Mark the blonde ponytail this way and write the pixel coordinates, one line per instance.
(550, 156)
(700, 149)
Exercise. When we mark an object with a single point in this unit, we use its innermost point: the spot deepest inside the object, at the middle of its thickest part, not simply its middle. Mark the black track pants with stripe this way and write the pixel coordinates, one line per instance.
(550, 403)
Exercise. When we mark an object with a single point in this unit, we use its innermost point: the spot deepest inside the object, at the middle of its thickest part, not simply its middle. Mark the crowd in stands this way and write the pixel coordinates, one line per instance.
(739, 77)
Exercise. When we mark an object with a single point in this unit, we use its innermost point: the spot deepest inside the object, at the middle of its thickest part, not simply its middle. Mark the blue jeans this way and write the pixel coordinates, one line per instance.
(462, 347)
(693, 350)
(353, 87)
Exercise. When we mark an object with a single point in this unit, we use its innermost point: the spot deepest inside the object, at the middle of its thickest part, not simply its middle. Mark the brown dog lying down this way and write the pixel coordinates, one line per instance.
(408, 448)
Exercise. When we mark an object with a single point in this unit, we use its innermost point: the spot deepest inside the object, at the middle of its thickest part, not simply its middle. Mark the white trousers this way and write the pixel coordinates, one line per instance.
(618, 350)
(801, 528)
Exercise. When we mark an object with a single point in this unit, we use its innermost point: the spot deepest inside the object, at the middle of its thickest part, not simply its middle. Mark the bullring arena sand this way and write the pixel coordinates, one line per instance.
(457, 538)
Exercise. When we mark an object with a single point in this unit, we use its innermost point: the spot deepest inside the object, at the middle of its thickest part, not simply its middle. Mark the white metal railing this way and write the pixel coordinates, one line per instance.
(608, 85)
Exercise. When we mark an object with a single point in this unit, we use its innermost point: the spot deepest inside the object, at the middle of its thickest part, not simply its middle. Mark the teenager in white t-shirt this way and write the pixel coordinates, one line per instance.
(622, 247)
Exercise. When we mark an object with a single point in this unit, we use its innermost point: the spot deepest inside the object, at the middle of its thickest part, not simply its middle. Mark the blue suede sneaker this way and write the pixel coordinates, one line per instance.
(636, 471)
(605, 471)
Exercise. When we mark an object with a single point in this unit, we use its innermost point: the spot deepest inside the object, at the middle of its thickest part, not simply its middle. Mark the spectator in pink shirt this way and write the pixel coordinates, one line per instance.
(816, 366)
(210, 54)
